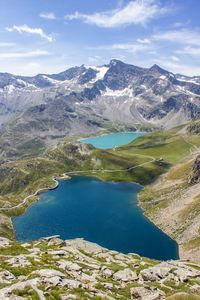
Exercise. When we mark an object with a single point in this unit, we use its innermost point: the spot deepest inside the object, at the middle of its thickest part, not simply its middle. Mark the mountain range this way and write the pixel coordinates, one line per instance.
(44, 108)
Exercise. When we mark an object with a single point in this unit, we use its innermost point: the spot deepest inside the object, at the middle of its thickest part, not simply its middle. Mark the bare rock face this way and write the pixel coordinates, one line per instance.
(83, 99)
(194, 128)
(195, 175)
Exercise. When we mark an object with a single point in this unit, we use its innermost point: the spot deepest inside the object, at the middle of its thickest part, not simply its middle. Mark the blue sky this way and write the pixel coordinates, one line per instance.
(48, 36)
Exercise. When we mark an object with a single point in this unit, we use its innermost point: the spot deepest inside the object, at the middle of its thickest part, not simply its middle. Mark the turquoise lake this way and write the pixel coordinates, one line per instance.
(112, 140)
(102, 212)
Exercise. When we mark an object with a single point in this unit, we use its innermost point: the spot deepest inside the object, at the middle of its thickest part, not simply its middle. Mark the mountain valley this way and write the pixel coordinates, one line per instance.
(42, 120)
(41, 110)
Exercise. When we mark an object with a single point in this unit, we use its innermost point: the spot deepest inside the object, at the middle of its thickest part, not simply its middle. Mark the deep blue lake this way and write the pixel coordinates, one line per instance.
(102, 212)
(112, 140)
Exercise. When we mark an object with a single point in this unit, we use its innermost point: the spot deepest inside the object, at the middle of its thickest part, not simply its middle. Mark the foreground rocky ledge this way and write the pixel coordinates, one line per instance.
(75, 269)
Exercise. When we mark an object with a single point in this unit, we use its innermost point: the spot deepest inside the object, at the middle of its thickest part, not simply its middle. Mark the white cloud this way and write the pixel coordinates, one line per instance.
(135, 12)
(134, 47)
(177, 25)
(48, 15)
(94, 59)
(26, 29)
(181, 24)
(183, 36)
(29, 69)
(5, 45)
(144, 41)
(176, 67)
(28, 54)
(192, 51)
(175, 58)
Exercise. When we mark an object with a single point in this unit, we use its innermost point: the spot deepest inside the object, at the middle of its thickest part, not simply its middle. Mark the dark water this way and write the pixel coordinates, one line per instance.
(112, 140)
(102, 212)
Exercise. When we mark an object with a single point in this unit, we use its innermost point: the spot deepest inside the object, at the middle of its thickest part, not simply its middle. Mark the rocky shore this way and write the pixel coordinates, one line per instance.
(37, 193)
(172, 203)
(76, 269)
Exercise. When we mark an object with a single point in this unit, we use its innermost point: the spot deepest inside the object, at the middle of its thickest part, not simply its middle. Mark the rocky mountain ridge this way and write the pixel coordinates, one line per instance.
(41, 110)
(116, 91)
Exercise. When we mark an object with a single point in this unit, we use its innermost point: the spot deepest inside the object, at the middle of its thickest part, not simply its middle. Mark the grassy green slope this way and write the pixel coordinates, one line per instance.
(21, 178)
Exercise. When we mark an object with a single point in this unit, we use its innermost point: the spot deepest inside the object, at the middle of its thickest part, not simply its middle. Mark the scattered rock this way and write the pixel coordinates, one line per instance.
(107, 285)
(184, 274)
(195, 174)
(107, 273)
(106, 256)
(71, 284)
(49, 238)
(88, 247)
(6, 277)
(18, 261)
(15, 298)
(125, 275)
(85, 270)
(155, 273)
(88, 278)
(196, 288)
(147, 293)
(49, 273)
(52, 281)
(68, 297)
(54, 240)
(183, 296)
(58, 253)
(69, 266)
(4, 242)
(169, 270)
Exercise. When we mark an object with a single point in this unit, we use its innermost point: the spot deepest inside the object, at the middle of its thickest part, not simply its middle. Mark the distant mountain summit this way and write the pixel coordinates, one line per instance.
(81, 99)
(120, 91)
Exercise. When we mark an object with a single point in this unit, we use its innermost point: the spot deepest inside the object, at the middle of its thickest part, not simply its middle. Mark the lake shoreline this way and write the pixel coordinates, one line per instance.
(138, 212)
(38, 192)
(67, 177)
(64, 177)
(108, 133)
(112, 145)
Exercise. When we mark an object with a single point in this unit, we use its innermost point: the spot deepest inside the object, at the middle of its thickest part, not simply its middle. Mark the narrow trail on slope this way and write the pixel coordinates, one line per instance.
(30, 196)
(25, 200)
(153, 159)
(190, 144)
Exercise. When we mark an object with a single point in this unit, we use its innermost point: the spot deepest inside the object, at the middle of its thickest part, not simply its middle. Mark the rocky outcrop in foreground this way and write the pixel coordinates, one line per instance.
(194, 128)
(75, 269)
(195, 176)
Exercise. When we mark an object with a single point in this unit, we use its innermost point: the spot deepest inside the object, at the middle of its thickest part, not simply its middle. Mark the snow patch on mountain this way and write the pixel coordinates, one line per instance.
(101, 71)
(119, 93)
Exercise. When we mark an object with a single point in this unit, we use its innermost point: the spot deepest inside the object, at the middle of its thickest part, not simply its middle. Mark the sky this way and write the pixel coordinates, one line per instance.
(49, 36)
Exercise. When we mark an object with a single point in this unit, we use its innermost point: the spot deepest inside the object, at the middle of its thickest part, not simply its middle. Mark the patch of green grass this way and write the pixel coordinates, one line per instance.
(180, 172)
(193, 243)
(27, 292)
(14, 249)
(183, 296)
(191, 210)
(133, 162)
(22, 271)
(171, 148)
(114, 266)
(6, 228)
